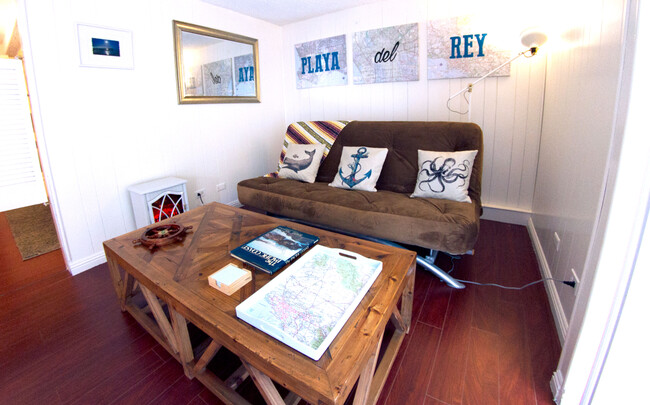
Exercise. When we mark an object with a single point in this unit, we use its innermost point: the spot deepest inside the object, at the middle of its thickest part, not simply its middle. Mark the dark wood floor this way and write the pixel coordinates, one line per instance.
(65, 341)
(16, 273)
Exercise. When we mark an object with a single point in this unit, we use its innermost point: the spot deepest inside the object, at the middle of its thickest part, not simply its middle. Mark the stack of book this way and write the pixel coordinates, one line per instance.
(229, 279)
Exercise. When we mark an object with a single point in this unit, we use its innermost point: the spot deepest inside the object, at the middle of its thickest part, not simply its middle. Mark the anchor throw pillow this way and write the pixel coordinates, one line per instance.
(359, 168)
(301, 162)
(444, 175)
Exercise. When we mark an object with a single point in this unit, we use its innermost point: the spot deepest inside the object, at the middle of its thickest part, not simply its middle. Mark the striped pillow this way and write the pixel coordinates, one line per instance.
(310, 132)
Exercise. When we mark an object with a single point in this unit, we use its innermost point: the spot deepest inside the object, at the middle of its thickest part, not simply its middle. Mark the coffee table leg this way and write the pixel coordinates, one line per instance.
(118, 283)
(401, 318)
(161, 318)
(179, 324)
(407, 300)
(206, 357)
(366, 377)
(267, 389)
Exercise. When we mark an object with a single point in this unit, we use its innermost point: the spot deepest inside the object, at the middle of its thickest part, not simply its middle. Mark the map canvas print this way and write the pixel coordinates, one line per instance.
(386, 55)
(464, 47)
(244, 75)
(272, 250)
(306, 305)
(321, 63)
(217, 78)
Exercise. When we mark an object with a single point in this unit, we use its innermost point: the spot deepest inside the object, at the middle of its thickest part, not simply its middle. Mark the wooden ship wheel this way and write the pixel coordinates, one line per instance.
(162, 235)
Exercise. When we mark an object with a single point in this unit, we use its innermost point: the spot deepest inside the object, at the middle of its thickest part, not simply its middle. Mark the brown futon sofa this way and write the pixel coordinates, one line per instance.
(388, 214)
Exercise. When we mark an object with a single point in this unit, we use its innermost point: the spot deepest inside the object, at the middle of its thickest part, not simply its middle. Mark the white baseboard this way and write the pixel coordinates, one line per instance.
(507, 215)
(561, 323)
(557, 380)
(235, 203)
(79, 266)
(87, 263)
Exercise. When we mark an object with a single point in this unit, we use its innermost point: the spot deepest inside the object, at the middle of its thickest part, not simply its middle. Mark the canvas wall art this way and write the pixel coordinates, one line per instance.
(386, 55)
(194, 81)
(321, 63)
(464, 47)
(217, 78)
(244, 75)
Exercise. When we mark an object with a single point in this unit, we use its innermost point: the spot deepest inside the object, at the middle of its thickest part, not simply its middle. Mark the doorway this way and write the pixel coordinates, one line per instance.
(29, 249)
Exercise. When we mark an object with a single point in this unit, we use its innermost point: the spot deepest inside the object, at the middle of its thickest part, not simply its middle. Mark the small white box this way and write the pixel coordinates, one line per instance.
(229, 279)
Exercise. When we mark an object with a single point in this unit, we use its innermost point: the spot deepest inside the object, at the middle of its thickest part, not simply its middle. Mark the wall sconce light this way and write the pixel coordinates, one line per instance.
(531, 38)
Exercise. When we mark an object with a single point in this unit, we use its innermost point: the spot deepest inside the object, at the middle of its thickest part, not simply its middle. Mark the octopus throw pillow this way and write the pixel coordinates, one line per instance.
(359, 168)
(444, 174)
(301, 162)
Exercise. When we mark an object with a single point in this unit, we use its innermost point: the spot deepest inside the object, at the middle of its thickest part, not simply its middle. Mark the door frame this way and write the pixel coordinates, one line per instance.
(32, 88)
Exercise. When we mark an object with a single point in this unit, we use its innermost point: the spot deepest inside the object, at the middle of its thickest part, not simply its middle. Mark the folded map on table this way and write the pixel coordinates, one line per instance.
(307, 304)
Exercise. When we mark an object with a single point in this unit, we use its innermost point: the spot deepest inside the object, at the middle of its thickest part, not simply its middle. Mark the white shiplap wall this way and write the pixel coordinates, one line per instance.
(580, 111)
(508, 109)
(103, 130)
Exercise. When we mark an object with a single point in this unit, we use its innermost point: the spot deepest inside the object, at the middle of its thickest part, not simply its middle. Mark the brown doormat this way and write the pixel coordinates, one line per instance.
(33, 230)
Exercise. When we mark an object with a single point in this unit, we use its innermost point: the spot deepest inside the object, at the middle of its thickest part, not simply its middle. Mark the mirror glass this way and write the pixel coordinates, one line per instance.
(215, 66)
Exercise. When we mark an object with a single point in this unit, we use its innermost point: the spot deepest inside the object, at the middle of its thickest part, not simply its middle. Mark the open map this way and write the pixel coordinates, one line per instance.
(307, 304)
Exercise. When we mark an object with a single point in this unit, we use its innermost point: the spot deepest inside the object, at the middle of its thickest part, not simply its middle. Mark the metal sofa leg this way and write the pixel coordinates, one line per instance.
(438, 272)
(427, 263)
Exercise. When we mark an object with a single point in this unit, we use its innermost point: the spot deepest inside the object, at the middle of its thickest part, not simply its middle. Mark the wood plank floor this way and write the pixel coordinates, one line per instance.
(65, 341)
(16, 273)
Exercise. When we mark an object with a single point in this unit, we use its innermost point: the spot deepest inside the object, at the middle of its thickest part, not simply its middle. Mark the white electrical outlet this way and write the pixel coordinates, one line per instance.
(574, 277)
(199, 193)
(221, 186)
(556, 240)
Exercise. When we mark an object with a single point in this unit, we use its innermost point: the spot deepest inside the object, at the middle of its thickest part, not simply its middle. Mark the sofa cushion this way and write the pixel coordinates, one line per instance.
(431, 223)
(301, 162)
(403, 139)
(310, 132)
(444, 174)
(359, 168)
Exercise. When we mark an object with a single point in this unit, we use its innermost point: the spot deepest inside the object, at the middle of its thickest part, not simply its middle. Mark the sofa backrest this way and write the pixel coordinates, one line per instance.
(403, 139)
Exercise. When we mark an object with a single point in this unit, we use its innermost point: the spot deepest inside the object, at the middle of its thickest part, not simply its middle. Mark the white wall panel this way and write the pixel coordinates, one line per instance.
(107, 129)
(579, 112)
(508, 108)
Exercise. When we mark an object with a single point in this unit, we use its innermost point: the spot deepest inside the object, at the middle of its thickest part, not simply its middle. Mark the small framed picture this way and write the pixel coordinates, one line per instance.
(105, 47)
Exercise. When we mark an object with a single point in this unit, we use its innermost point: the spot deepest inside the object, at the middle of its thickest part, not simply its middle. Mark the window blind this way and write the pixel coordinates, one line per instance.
(21, 180)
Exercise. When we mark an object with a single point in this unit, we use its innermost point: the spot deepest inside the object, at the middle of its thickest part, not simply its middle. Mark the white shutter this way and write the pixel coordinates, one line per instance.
(21, 181)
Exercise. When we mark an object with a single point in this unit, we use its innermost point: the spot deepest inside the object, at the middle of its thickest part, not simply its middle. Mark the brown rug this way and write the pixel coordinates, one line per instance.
(33, 230)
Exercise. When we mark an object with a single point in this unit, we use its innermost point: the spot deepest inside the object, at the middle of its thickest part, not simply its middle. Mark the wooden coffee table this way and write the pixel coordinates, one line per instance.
(167, 289)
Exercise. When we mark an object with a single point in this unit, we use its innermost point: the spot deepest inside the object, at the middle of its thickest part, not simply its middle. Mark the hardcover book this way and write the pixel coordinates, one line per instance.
(272, 250)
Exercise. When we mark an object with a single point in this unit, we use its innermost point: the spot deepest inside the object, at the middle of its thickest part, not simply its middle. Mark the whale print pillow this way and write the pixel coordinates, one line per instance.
(301, 162)
(444, 175)
(360, 168)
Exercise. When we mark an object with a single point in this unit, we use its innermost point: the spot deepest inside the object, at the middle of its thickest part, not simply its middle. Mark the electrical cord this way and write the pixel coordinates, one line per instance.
(453, 258)
(201, 199)
(455, 111)
(569, 283)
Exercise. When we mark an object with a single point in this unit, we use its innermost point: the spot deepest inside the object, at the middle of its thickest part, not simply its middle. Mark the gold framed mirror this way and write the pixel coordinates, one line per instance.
(215, 66)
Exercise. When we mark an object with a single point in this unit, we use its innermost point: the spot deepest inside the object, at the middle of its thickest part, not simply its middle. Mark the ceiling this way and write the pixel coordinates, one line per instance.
(281, 12)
